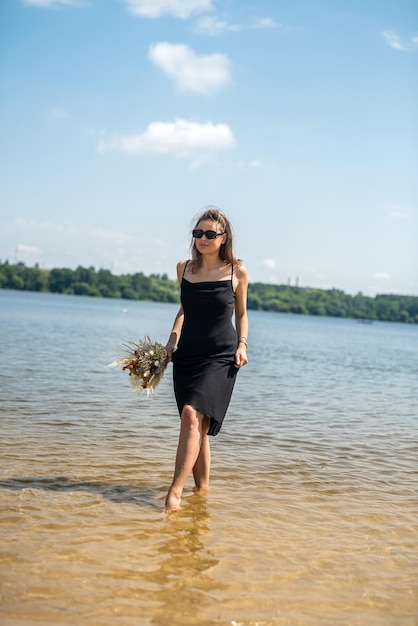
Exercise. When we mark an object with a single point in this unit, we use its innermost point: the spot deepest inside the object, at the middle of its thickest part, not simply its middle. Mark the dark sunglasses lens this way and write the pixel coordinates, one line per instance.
(209, 234)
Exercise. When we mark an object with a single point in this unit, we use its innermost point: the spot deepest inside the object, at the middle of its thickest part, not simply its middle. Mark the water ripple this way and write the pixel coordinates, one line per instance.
(312, 513)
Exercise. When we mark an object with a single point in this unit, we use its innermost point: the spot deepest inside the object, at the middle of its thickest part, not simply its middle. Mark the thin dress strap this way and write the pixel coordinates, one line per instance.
(184, 269)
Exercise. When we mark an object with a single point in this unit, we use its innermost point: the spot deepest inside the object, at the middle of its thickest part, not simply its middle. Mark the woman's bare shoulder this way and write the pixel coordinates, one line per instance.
(241, 272)
(240, 280)
(181, 266)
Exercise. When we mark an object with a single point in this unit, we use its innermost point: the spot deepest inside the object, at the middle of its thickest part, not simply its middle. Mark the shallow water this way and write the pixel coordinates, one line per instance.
(312, 513)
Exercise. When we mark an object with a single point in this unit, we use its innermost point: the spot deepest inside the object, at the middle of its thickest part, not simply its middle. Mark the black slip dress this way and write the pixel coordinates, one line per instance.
(203, 365)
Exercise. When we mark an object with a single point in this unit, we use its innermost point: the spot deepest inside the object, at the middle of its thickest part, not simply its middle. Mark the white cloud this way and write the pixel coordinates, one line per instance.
(212, 26)
(64, 227)
(315, 273)
(204, 160)
(178, 8)
(398, 212)
(382, 276)
(58, 113)
(22, 248)
(244, 164)
(180, 137)
(266, 22)
(399, 215)
(270, 263)
(53, 4)
(213, 160)
(397, 43)
(111, 235)
(67, 228)
(192, 72)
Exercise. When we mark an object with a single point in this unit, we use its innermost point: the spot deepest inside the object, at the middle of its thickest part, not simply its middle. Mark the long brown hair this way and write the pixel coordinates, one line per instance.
(226, 252)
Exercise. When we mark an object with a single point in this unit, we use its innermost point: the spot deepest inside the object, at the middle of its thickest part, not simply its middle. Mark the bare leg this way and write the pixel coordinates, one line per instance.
(201, 468)
(192, 430)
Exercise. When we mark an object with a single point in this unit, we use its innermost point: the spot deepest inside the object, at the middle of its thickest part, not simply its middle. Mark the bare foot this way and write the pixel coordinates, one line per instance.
(172, 501)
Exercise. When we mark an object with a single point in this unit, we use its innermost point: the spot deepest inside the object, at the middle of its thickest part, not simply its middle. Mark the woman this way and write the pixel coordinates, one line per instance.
(206, 350)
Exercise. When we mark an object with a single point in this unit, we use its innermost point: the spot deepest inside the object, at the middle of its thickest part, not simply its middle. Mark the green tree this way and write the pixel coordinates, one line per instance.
(159, 288)
(316, 302)
(60, 280)
(35, 279)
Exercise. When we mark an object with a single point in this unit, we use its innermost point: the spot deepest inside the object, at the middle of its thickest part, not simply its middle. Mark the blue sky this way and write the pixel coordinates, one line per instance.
(121, 119)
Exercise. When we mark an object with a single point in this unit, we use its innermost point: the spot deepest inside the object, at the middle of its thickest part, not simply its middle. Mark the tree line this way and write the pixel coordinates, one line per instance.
(159, 288)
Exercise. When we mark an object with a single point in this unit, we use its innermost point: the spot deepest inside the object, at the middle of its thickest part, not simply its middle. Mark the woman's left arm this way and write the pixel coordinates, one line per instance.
(241, 317)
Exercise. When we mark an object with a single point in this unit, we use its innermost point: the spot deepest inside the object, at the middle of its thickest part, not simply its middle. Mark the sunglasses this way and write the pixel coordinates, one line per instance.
(209, 234)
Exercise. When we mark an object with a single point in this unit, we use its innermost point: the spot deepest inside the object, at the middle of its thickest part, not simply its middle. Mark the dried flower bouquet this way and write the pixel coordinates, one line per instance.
(146, 363)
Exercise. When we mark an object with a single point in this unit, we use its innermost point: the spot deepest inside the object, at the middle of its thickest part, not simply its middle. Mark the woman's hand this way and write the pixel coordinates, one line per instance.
(171, 346)
(241, 318)
(170, 349)
(241, 356)
(175, 334)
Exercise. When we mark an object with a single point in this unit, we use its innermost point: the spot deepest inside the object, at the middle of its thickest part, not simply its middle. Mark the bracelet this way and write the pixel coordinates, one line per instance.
(243, 340)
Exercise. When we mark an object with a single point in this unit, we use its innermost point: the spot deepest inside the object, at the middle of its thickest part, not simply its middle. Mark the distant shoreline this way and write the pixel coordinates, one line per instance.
(160, 288)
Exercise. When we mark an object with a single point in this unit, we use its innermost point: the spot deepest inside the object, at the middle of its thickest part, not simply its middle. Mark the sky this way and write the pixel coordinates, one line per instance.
(121, 119)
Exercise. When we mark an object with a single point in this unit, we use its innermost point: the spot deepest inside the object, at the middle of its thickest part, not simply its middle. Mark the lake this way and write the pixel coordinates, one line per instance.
(312, 514)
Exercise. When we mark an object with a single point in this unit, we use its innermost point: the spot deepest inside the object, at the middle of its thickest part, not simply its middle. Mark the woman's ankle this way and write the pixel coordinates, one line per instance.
(201, 486)
(173, 498)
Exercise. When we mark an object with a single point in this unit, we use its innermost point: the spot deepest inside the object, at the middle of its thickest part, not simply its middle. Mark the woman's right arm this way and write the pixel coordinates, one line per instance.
(175, 333)
(179, 319)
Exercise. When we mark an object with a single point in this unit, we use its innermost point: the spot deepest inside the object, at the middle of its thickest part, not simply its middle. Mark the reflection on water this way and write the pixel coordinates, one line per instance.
(161, 567)
(312, 514)
(184, 569)
(116, 493)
